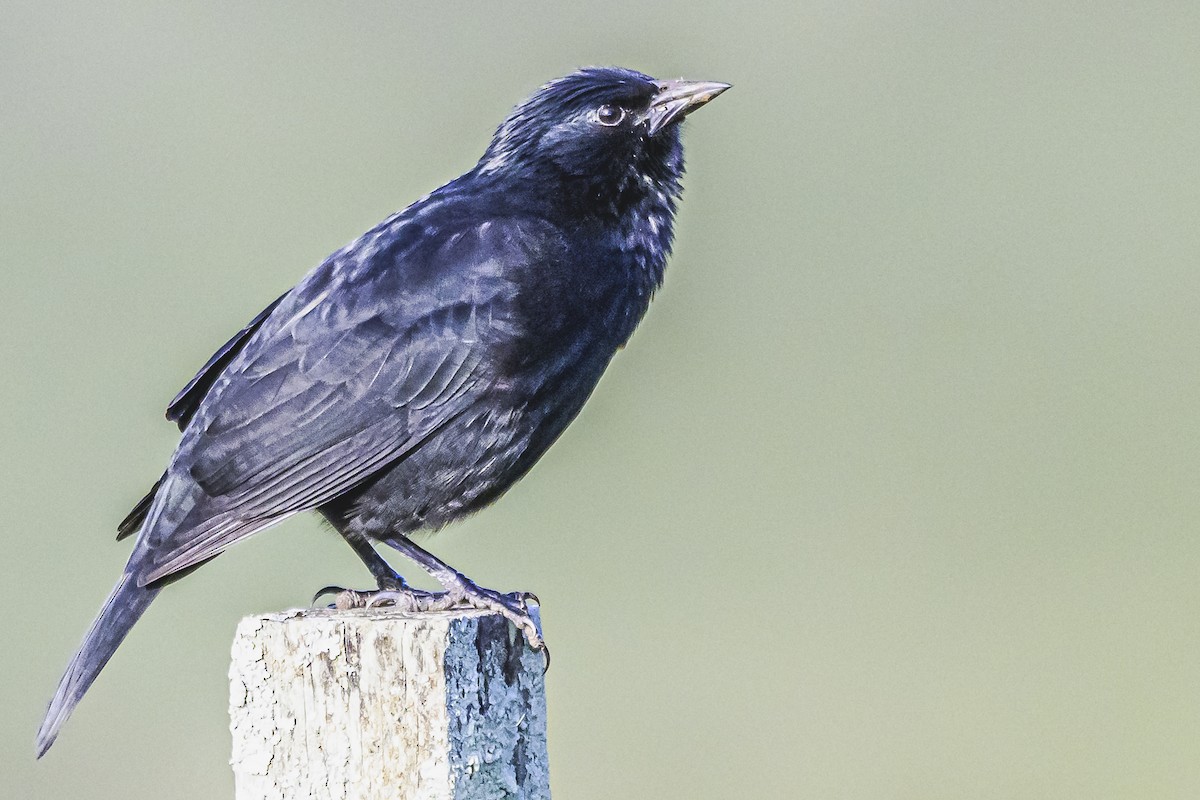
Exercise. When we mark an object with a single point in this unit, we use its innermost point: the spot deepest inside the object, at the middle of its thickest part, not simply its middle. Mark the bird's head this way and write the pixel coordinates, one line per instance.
(604, 136)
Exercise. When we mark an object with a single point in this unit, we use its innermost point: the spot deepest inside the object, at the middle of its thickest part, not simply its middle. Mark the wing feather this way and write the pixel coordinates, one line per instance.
(181, 409)
(319, 399)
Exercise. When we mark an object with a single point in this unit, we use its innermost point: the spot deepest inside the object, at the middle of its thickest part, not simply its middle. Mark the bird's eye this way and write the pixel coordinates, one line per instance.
(610, 115)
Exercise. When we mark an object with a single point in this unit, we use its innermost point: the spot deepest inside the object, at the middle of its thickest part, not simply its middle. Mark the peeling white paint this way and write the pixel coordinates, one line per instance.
(378, 703)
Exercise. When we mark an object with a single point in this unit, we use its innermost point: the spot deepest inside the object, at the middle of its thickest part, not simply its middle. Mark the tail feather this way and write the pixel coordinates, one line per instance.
(125, 605)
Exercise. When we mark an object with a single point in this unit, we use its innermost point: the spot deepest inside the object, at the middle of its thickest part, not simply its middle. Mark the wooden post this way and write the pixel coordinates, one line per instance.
(377, 703)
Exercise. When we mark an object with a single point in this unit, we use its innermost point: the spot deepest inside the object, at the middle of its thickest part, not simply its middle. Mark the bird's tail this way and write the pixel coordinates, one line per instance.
(124, 606)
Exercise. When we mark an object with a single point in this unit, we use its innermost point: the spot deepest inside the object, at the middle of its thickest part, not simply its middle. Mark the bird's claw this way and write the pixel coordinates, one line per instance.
(525, 598)
(326, 590)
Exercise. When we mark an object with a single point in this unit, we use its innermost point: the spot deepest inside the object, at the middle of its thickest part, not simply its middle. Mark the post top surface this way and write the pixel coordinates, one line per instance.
(379, 613)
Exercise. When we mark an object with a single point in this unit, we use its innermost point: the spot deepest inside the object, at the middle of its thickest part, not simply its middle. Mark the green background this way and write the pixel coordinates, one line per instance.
(893, 495)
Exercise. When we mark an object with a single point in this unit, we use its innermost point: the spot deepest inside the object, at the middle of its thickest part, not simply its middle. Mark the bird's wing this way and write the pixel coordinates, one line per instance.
(184, 405)
(369, 357)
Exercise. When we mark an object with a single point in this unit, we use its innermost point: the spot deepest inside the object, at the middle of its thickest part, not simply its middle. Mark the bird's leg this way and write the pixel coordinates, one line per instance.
(386, 578)
(462, 591)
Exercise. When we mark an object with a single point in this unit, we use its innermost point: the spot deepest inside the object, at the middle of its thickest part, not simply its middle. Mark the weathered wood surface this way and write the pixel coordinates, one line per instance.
(377, 703)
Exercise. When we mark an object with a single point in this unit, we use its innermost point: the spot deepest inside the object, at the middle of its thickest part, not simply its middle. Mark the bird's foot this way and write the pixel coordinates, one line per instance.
(463, 593)
(407, 599)
(513, 606)
(395, 592)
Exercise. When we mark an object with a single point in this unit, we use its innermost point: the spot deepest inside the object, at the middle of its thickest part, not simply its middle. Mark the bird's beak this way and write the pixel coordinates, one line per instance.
(677, 99)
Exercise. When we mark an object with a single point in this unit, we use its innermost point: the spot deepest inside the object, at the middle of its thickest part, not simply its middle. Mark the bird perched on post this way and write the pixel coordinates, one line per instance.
(418, 372)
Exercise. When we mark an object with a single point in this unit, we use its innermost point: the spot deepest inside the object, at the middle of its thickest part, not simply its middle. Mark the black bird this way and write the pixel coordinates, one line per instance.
(418, 372)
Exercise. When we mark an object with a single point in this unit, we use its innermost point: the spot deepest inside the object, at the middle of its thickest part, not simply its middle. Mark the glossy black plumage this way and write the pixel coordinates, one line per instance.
(421, 370)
